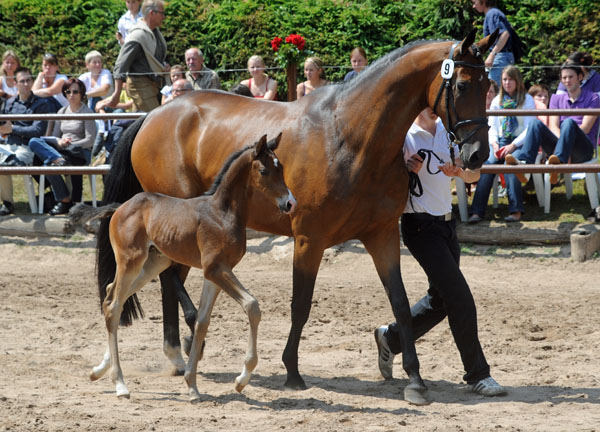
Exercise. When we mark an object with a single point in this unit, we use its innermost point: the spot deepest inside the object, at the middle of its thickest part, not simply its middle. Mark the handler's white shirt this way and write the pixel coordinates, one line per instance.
(436, 199)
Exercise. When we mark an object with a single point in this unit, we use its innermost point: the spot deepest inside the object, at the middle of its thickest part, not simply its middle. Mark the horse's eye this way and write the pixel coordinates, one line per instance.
(264, 172)
(462, 86)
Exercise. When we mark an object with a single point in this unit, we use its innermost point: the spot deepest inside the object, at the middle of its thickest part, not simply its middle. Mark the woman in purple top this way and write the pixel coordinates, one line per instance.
(567, 137)
(591, 78)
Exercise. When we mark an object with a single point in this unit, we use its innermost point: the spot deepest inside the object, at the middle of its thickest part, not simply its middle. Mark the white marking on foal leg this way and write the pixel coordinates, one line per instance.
(100, 370)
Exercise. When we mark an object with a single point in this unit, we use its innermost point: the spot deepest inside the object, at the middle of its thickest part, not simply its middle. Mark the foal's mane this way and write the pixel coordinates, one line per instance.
(219, 178)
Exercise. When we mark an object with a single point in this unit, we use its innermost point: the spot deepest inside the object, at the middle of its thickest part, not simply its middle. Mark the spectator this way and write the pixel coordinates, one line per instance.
(141, 61)
(70, 143)
(429, 233)
(180, 87)
(315, 76)
(260, 84)
(8, 82)
(358, 59)
(177, 72)
(241, 90)
(506, 135)
(198, 75)
(49, 82)
(501, 54)
(115, 130)
(567, 137)
(128, 19)
(97, 80)
(541, 95)
(491, 94)
(591, 78)
(14, 150)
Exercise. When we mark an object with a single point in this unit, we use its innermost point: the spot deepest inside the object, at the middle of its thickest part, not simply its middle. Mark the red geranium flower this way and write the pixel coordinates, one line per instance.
(276, 43)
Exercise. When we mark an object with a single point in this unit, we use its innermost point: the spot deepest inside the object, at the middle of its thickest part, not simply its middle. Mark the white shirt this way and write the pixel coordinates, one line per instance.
(127, 21)
(62, 100)
(495, 122)
(436, 199)
(104, 78)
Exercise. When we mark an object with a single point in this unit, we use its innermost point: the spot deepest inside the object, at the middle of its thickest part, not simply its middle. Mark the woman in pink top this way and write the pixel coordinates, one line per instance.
(260, 84)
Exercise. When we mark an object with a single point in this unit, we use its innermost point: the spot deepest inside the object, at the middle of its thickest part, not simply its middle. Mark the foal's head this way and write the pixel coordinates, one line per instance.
(266, 175)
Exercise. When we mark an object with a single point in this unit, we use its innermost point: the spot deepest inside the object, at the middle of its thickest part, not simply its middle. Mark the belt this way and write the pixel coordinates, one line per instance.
(426, 216)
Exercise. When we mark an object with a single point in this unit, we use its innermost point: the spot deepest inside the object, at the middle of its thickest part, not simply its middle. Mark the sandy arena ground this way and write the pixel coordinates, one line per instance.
(538, 319)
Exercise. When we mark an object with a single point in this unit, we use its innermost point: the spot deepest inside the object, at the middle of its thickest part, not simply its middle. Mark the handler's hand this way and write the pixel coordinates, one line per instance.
(414, 163)
(450, 170)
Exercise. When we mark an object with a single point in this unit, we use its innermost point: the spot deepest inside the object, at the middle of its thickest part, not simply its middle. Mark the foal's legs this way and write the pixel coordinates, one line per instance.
(225, 279)
(307, 258)
(210, 291)
(131, 276)
(384, 247)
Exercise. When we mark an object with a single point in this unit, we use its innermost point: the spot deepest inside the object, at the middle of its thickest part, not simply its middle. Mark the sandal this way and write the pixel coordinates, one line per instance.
(474, 218)
(512, 218)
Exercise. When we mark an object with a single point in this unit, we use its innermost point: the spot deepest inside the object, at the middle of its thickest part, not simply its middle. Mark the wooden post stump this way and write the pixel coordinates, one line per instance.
(291, 71)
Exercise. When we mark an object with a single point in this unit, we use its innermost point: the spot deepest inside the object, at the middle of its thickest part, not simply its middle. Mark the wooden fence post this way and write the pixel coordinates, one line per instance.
(291, 72)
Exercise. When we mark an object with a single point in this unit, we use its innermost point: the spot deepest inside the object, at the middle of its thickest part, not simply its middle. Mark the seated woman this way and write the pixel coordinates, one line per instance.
(506, 135)
(358, 59)
(315, 76)
(70, 143)
(49, 82)
(8, 82)
(260, 84)
(97, 80)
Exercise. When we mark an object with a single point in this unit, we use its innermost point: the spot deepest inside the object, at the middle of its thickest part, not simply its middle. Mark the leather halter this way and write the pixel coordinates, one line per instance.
(447, 85)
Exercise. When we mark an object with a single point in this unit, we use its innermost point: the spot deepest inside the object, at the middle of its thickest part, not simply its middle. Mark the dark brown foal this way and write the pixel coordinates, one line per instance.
(151, 231)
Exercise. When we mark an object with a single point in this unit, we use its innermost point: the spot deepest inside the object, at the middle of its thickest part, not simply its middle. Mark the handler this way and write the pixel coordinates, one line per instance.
(429, 232)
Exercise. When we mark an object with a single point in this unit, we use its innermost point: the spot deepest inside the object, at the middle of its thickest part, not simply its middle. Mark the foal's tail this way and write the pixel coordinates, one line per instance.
(83, 213)
(120, 184)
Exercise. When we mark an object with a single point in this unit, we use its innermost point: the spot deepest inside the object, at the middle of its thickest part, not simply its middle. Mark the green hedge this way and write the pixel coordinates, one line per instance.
(231, 31)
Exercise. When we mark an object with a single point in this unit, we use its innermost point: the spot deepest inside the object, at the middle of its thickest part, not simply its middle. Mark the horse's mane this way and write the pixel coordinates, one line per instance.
(373, 71)
(219, 178)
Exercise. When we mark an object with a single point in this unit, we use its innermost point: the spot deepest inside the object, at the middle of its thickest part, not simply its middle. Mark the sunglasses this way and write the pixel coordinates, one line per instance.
(69, 92)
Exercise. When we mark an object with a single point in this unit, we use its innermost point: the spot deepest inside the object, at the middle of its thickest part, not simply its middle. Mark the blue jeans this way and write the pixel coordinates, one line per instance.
(573, 143)
(485, 183)
(47, 153)
(501, 60)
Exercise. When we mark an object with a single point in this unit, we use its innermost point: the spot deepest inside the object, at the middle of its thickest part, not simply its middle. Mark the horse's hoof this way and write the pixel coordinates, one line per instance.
(93, 376)
(295, 383)
(240, 384)
(416, 394)
(194, 396)
(177, 371)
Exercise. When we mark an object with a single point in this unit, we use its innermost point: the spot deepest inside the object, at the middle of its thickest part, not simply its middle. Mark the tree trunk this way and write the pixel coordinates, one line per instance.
(291, 71)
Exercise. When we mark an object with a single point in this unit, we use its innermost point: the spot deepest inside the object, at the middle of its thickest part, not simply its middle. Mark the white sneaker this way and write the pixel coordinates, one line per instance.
(386, 357)
(488, 387)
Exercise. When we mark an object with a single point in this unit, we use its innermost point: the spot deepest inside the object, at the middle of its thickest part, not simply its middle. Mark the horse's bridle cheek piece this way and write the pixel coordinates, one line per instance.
(447, 85)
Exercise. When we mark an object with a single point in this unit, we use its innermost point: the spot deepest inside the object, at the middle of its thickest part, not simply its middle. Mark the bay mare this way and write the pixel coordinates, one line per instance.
(342, 149)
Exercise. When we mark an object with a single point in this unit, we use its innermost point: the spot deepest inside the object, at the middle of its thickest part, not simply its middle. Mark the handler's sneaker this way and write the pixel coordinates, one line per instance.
(386, 357)
(488, 387)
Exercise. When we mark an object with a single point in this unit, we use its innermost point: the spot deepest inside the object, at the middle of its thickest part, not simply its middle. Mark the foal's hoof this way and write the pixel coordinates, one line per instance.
(194, 396)
(187, 345)
(416, 394)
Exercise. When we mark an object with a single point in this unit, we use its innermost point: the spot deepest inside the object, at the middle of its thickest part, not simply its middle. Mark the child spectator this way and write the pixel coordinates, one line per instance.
(177, 72)
(541, 96)
(128, 19)
(358, 59)
(260, 84)
(97, 80)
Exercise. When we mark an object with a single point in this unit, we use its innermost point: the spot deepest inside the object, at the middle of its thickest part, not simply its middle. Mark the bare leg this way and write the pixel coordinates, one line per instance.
(384, 247)
(307, 258)
(207, 301)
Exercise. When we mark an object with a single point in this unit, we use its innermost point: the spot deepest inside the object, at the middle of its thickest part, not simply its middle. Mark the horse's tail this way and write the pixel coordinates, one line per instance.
(84, 213)
(120, 184)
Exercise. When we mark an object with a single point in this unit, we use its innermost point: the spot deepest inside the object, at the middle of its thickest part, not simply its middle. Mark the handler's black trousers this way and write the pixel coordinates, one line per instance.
(433, 243)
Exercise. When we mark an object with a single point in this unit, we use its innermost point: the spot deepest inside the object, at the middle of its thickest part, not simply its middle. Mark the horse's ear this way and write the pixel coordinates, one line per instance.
(467, 42)
(485, 43)
(260, 146)
(274, 143)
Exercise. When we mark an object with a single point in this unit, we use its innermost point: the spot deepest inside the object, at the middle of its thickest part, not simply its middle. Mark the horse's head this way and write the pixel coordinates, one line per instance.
(267, 175)
(458, 96)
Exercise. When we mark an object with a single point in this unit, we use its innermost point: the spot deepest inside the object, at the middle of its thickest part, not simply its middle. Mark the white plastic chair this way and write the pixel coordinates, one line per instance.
(42, 188)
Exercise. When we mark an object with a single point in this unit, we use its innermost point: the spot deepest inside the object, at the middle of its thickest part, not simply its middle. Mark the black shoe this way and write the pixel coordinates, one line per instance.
(61, 208)
(13, 161)
(7, 208)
